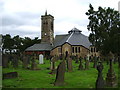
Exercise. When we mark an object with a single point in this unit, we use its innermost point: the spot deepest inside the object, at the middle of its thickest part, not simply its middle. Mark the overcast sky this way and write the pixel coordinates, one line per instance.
(23, 17)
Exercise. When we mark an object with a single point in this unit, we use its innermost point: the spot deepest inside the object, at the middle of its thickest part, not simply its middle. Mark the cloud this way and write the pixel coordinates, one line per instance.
(23, 17)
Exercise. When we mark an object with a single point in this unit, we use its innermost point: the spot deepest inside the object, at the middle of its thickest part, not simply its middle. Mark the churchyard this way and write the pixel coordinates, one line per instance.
(55, 73)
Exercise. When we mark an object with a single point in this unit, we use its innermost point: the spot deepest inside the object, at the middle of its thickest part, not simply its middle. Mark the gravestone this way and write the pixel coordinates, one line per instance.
(25, 61)
(115, 60)
(53, 70)
(33, 64)
(10, 75)
(5, 61)
(95, 62)
(15, 61)
(100, 83)
(41, 59)
(86, 64)
(60, 74)
(69, 64)
(80, 65)
(111, 77)
(76, 59)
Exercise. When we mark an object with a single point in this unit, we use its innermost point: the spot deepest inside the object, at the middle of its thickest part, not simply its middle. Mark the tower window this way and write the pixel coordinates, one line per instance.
(94, 50)
(51, 25)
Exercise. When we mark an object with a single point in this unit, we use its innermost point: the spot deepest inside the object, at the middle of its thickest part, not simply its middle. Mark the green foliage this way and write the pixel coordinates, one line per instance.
(104, 25)
(42, 78)
(18, 43)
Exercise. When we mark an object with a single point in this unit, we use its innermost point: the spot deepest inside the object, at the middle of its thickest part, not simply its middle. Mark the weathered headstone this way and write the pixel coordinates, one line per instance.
(69, 64)
(53, 70)
(60, 74)
(34, 64)
(80, 65)
(15, 61)
(100, 83)
(25, 62)
(111, 77)
(41, 59)
(95, 62)
(86, 64)
(76, 59)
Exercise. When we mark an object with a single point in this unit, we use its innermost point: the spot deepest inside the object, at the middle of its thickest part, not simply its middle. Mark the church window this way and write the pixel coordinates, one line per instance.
(94, 49)
(76, 49)
(91, 49)
(79, 49)
(73, 49)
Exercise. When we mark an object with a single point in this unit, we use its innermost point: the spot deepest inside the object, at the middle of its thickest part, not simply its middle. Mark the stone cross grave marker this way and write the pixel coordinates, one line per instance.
(41, 59)
(100, 81)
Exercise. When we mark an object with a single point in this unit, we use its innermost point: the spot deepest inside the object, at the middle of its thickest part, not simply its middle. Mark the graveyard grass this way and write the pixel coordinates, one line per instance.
(42, 78)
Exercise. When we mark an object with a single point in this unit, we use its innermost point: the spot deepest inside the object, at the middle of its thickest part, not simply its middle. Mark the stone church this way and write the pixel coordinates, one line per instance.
(74, 43)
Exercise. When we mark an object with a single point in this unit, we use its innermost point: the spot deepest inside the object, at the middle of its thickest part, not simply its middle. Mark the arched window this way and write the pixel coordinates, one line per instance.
(79, 49)
(76, 49)
(91, 49)
(73, 49)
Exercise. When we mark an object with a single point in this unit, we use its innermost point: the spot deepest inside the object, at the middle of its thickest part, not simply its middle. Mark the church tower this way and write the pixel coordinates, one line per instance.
(47, 28)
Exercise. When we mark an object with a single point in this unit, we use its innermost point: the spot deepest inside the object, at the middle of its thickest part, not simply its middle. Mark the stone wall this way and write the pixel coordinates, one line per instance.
(69, 49)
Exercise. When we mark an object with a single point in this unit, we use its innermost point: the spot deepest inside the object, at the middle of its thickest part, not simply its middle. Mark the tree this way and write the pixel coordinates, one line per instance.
(8, 43)
(104, 25)
(18, 43)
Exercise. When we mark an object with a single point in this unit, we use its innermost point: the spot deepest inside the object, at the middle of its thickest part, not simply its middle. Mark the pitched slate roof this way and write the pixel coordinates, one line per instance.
(40, 47)
(75, 37)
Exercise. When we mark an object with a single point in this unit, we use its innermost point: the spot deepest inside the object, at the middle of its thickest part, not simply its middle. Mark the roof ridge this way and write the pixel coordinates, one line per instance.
(69, 37)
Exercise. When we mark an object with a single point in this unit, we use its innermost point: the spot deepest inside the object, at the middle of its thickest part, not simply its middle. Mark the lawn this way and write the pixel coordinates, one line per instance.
(42, 78)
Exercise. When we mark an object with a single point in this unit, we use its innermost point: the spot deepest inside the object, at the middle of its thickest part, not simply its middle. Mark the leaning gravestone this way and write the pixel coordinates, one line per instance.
(111, 77)
(100, 83)
(41, 59)
(60, 74)
(69, 64)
